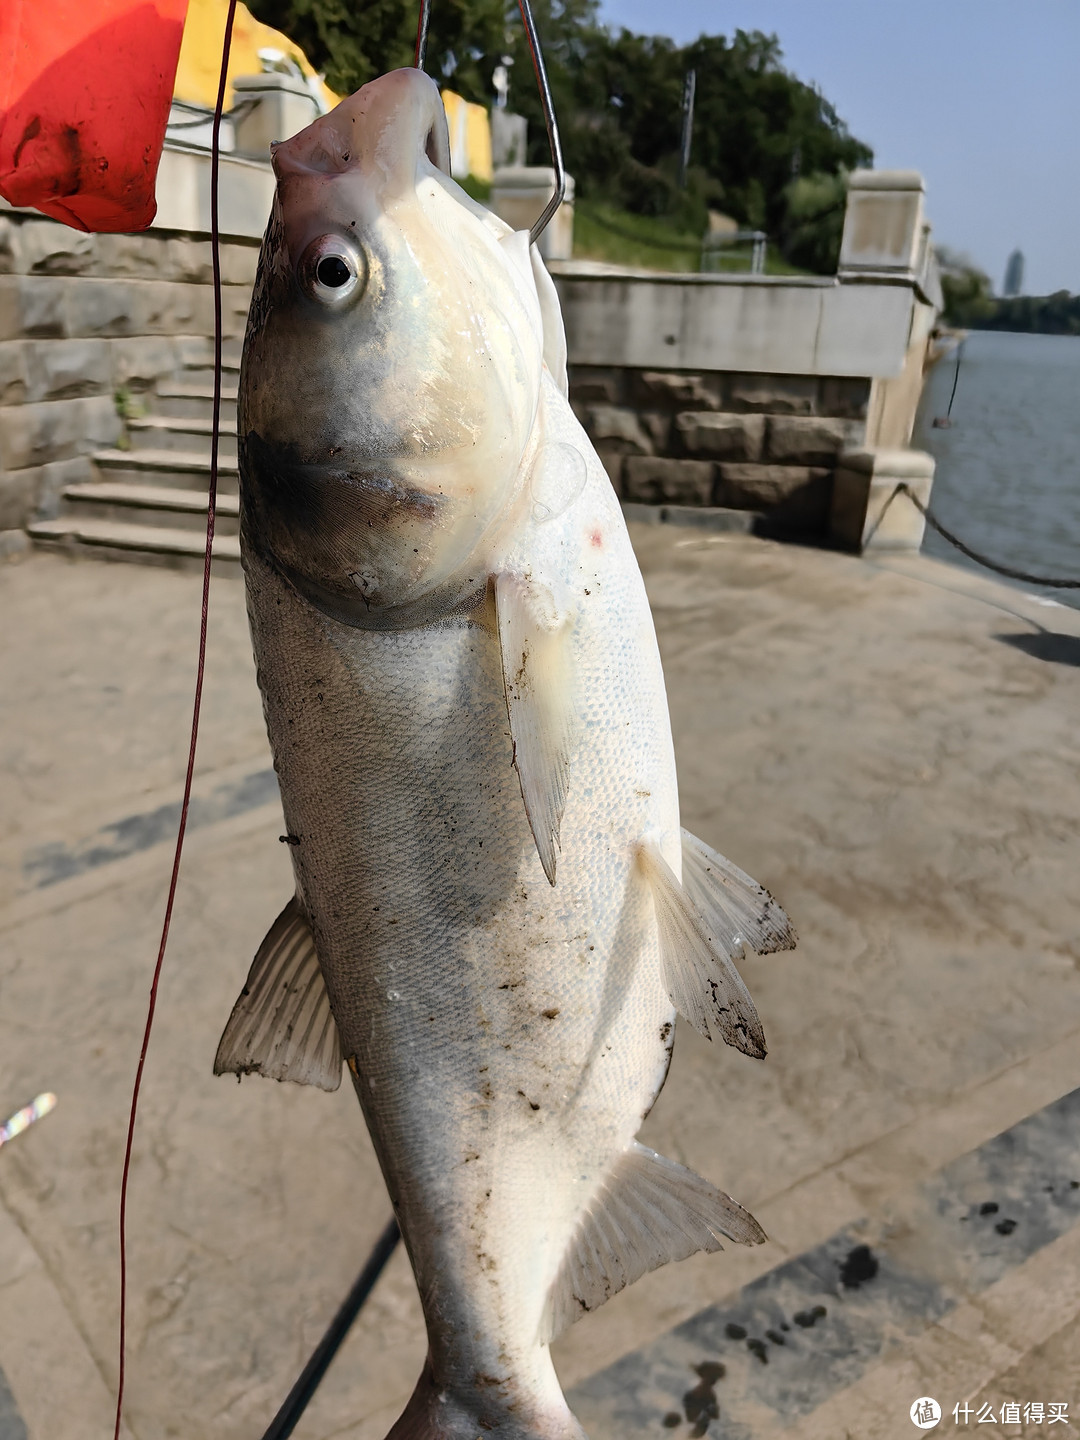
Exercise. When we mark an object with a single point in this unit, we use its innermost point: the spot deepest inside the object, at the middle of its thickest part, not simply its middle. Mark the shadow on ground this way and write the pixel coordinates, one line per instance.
(1045, 645)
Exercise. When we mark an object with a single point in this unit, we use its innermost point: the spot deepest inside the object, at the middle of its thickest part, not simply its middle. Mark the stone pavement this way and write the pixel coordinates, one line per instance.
(889, 745)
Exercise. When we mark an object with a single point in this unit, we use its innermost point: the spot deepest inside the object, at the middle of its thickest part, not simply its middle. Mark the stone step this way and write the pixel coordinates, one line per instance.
(148, 544)
(178, 469)
(203, 374)
(150, 505)
(702, 517)
(170, 432)
(191, 398)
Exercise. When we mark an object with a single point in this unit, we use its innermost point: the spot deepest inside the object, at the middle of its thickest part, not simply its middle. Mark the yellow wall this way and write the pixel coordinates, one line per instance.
(200, 67)
(200, 52)
(470, 137)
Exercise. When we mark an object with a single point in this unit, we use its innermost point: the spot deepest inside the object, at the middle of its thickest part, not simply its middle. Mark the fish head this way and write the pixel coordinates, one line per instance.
(392, 365)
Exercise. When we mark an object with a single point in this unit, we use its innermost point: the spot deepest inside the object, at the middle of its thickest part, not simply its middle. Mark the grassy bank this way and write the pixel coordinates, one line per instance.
(602, 232)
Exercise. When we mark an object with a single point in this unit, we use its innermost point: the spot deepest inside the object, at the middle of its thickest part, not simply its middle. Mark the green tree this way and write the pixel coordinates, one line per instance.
(353, 43)
(813, 221)
(766, 147)
(968, 294)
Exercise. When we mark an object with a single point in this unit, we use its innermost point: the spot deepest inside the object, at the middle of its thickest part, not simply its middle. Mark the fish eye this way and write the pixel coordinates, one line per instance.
(331, 269)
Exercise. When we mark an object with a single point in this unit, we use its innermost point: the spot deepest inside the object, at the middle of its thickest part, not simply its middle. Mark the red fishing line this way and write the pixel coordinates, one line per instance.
(211, 509)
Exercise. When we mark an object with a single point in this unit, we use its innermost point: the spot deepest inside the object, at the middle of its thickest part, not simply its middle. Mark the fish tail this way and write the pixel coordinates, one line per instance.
(438, 1413)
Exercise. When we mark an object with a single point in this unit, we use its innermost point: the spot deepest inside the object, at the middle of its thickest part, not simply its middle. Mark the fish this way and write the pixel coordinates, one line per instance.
(496, 914)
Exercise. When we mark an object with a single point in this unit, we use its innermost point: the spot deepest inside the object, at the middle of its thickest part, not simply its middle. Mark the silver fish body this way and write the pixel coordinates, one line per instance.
(492, 923)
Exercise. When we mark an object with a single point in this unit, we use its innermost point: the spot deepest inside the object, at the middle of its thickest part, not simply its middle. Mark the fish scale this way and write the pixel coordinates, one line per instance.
(466, 707)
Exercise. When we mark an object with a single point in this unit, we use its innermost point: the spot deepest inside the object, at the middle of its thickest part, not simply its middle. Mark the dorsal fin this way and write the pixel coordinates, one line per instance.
(649, 1210)
(281, 1025)
(534, 640)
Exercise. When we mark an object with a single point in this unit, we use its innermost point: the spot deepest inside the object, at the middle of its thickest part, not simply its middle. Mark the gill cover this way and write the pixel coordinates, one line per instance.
(391, 369)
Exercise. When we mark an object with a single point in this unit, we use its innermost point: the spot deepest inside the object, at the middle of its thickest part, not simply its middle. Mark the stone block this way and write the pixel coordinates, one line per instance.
(612, 461)
(61, 369)
(236, 301)
(619, 431)
(55, 430)
(13, 382)
(720, 435)
(657, 425)
(792, 497)
(592, 385)
(680, 482)
(55, 477)
(31, 305)
(101, 307)
(139, 361)
(806, 439)
(193, 350)
(7, 246)
(867, 512)
(674, 390)
(44, 247)
(849, 398)
(13, 544)
(239, 263)
(773, 394)
(18, 497)
(189, 261)
(132, 257)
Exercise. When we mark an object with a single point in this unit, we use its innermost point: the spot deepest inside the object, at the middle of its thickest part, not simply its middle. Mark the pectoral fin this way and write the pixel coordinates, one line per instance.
(551, 315)
(534, 636)
(696, 958)
(649, 1211)
(281, 1026)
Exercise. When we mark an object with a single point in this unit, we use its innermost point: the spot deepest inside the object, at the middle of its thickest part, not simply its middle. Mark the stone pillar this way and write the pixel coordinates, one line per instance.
(509, 134)
(865, 481)
(518, 195)
(883, 224)
(281, 105)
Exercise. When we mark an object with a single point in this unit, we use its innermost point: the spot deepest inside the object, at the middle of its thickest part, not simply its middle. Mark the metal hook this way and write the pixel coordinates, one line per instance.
(421, 34)
(545, 100)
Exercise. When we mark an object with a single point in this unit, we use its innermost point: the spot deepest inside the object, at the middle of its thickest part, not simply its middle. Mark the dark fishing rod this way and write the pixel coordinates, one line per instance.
(288, 1417)
(546, 102)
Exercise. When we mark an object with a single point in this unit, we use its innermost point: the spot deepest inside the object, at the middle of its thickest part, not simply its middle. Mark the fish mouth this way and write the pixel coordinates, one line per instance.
(405, 103)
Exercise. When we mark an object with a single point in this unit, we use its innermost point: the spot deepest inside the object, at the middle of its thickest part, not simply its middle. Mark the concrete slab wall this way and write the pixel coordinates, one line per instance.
(784, 325)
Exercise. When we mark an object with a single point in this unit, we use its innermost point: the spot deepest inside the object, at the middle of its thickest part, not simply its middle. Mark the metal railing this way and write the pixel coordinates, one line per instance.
(716, 241)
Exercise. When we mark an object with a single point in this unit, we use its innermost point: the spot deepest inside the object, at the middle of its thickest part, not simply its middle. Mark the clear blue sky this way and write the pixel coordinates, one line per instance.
(981, 96)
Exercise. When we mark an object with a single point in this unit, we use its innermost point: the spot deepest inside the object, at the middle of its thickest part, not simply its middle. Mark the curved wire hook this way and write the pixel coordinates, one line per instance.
(547, 103)
(421, 35)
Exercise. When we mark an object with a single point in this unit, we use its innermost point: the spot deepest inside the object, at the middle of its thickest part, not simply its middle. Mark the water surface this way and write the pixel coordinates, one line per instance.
(1008, 471)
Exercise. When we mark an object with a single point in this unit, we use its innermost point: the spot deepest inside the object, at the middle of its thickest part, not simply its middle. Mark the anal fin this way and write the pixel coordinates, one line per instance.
(534, 641)
(698, 948)
(281, 1026)
(650, 1210)
(741, 912)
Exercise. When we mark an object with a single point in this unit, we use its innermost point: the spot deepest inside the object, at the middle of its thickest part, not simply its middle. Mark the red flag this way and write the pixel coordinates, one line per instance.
(85, 89)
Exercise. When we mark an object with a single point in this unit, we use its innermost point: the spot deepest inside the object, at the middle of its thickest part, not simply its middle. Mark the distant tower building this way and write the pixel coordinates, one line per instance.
(1014, 275)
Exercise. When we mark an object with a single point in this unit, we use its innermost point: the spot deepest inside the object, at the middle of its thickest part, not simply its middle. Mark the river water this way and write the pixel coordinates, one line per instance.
(1008, 471)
